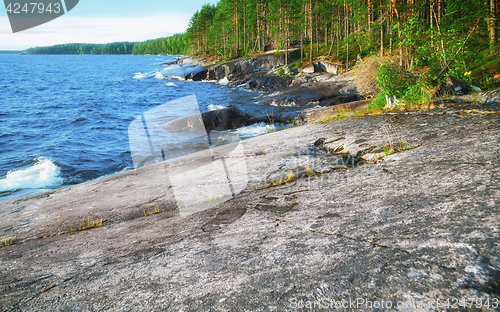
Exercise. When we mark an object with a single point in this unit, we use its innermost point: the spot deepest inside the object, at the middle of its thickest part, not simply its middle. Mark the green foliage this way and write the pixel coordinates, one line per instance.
(416, 95)
(390, 81)
(414, 91)
(175, 45)
(379, 102)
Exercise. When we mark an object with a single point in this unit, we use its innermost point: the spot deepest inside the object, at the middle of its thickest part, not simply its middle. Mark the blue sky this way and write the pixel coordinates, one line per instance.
(93, 21)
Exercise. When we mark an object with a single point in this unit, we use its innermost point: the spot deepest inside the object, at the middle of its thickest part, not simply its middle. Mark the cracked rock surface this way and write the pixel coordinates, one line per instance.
(418, 224)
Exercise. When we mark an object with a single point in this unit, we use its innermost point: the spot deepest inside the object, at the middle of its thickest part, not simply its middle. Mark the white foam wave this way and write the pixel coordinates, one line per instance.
(213, 107)
(224, 81)
(275, 93)
(171, 84)
(140, 75)
(254, 130)
(159, 76)
(43, 174)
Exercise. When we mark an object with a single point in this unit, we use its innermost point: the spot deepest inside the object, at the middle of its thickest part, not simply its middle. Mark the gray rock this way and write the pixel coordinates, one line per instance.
(490, 98)
(348, 90)
(455, 86)
(248, 66)
(308, 69)
(289, 70)
(332, 68)
(299, 80)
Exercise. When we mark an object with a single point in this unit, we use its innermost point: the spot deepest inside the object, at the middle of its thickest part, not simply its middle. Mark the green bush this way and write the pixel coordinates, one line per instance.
(412, 90)
(379, 102)
(390, 81)
(416, 95)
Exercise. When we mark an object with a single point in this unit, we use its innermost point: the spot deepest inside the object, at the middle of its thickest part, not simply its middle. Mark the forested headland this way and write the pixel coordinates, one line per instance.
(84, 48)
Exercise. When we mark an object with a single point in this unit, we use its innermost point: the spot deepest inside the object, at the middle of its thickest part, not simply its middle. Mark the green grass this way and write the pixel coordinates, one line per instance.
(290, 176)
(214, 198)
(310, 171)
(90, 224)
(155, 211)
(388, 150)
(6, 241)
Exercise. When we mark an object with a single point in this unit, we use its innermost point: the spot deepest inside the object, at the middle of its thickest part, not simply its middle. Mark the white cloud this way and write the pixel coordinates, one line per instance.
(68, 29)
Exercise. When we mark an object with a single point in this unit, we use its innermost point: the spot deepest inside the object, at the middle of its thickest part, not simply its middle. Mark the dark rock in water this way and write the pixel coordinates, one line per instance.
(220, 72)
(224, 119)
(220, 120)
(201, 75)
(455, 86)
(252, 84)
(211, 74)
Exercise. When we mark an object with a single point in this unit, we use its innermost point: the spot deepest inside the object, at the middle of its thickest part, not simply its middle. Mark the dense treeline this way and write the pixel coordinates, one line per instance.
(437, 33)
(85, 48)
(176, 44)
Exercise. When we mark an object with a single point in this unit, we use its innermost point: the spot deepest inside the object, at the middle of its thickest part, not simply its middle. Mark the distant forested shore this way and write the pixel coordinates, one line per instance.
(175, 44)
(84, 48)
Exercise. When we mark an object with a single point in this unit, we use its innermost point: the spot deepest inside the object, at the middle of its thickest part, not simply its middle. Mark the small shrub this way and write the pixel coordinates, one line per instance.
(309, 170)
(379, 102)
(390, 81)
(290, 176)
(388, 150)
(416, 96)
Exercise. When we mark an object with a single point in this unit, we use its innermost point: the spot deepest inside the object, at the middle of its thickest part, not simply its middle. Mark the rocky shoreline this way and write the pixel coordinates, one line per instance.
(401, 207)
(323, 83)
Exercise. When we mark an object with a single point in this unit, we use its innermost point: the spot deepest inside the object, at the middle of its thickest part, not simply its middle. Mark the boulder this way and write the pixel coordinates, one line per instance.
(298, 81)
(308, 69)
(224, 119)
(348, 90)
(270, 60)
(490, 98)
(456, 87)
(211, 75)
(197, 76)
(332, 68)
(248, 66)
(229, 68)
(220, 72)
(252, 84)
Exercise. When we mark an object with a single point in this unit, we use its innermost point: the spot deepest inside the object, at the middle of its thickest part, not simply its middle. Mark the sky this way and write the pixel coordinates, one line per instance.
(98, 21)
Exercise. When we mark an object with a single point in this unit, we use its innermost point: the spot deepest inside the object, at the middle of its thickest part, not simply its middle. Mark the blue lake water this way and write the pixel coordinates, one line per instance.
(64, 118)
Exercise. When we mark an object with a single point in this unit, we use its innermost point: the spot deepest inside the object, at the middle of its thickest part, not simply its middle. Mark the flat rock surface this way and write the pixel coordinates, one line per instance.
(419, 225)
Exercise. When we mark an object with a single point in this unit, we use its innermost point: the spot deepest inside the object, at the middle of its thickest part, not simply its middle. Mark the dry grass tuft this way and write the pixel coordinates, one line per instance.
(365, 72)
